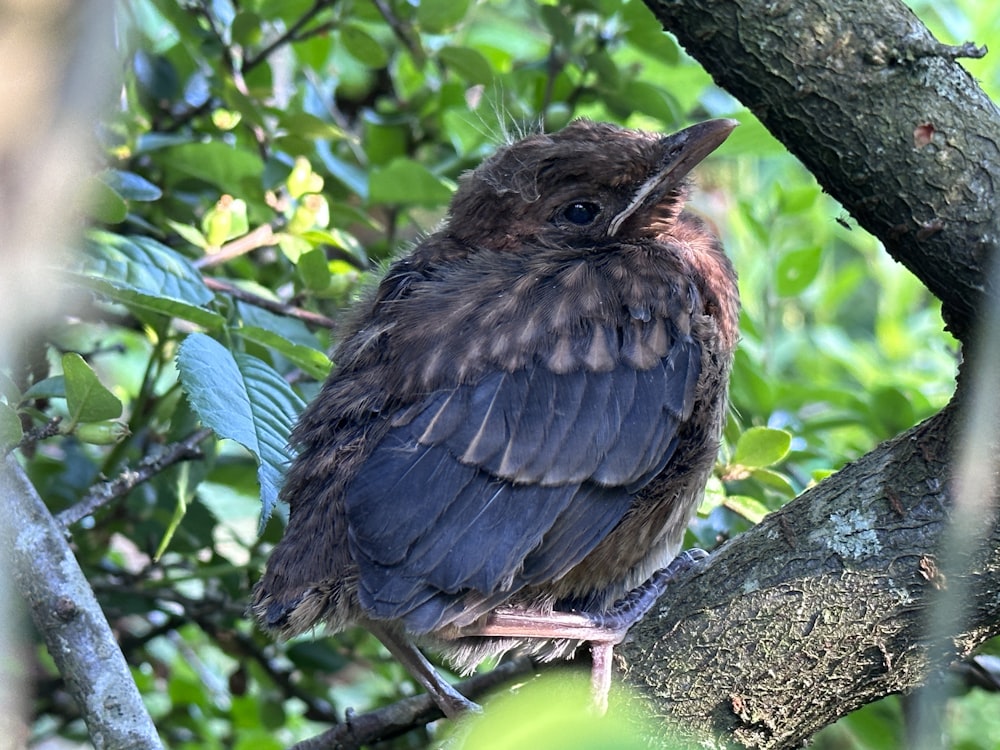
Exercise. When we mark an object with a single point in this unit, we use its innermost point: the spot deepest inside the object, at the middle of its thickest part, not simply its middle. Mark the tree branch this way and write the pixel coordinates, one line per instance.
(826, 605)
(879, 112)
(822, 607)
(66, 613)
(280, 308)
(410, 713)
(105, 492)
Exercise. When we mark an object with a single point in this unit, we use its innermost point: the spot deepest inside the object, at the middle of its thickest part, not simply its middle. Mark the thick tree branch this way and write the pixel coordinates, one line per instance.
(879, 112)
(66, 613)
(821, 608)
(824, 606)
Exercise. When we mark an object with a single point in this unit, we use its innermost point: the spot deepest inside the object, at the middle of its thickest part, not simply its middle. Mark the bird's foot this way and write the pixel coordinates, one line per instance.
(602, 630)
(632, 607)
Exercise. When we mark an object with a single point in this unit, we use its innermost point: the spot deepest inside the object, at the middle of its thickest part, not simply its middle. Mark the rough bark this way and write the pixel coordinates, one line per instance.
(66, 613)
(825, 605)
(821, 608)
(881, 114)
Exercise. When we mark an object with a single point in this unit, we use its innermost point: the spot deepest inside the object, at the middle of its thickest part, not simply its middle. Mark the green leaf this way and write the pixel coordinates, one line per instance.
(217, 163)
(892, 409)
(309, 126)
(751, 509)
(314, 270)
(308, 359)
(761, 446)
(775, 481)
(468, 63)
(130, 186)
(10, 427)
(189, 233)
(363, 47)
(104, 204)
(86, 398)
(652, 100)
(52, 387)
(559, 26)
(184, 495)
(243, 399)
(9, 390)
(796, 270)
(141, 272)
(404, 181)
(437, 16)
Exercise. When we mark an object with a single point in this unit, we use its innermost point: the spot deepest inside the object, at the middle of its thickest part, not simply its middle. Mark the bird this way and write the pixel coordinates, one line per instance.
(522, 416)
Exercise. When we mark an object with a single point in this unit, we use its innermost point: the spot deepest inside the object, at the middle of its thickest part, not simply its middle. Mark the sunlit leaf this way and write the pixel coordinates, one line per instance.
(761, 446)
(104, 204)
(86, 397)
(751, 509)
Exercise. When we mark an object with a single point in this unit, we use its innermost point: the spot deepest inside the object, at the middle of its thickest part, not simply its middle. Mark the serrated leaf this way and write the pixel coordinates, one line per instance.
(141, 272)
(404, 181)
(761, 446)
(10, 427)
(311, 361)
(243, 399)
(87, 400)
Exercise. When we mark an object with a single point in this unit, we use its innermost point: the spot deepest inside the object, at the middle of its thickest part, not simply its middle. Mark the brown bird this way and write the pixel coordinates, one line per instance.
(523, 415)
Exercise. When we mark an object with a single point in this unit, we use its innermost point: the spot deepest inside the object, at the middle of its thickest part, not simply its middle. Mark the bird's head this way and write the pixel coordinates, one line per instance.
(585, 186)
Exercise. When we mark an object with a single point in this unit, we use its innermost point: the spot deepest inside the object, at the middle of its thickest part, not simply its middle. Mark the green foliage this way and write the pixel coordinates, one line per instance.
(268, 157)
(244, 399)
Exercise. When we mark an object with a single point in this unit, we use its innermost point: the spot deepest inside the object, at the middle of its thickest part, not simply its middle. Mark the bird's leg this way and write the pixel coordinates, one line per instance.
(451, 702)
(632, 607)
(602, 630)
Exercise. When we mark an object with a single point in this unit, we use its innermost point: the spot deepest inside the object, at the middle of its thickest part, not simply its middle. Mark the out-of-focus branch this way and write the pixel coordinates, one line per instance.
(66, 613)
(410, 713)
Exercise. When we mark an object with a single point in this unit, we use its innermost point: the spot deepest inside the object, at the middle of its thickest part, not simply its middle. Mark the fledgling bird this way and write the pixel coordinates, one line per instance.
(523, 415)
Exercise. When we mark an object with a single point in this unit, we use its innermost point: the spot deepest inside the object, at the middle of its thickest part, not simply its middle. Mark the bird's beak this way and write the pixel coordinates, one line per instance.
(682, 151)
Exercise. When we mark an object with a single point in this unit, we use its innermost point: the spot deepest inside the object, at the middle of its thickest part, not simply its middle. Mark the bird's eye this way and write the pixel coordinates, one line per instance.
(581, 213)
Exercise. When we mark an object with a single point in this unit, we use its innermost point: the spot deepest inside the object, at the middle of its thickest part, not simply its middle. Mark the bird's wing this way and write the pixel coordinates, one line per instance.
(486, 488)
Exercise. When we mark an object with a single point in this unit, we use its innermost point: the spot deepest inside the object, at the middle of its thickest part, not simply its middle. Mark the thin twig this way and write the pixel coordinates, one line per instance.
(291, 35)
(105, 492)
(42, 432)
(262, 236)
(281, 308)
(410, 713)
